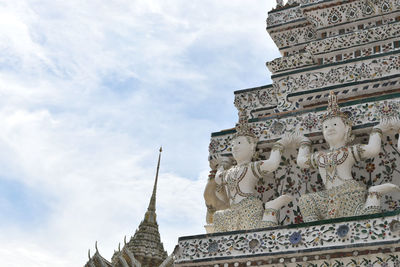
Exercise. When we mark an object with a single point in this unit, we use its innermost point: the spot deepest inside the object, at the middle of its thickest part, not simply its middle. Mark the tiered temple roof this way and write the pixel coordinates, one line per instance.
(145, 248)
(146, 244)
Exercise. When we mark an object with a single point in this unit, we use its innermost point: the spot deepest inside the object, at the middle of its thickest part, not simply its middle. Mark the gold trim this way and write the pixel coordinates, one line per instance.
(353, 154)
(377, 130)
(360, 152)
(278, 146)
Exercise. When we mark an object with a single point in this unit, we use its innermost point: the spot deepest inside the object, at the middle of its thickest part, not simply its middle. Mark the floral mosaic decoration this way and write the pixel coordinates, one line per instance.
(297, 239)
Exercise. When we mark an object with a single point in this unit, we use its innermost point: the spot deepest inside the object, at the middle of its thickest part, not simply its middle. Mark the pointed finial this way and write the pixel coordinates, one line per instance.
(124, 240)
(333, 106)
(242, 127)
(333, 110)
(89, 253)
(95, 245)
(151, 210)
(119, 247)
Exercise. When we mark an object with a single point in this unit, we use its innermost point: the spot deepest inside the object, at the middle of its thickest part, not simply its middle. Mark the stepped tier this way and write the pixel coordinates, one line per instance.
(293, 27)
(371, 240)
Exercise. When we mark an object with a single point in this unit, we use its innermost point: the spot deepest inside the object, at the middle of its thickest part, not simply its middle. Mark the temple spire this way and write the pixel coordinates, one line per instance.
(151, 210)
(146, 244)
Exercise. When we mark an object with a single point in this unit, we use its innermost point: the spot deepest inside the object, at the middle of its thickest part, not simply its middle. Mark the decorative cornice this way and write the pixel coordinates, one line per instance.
(360, 60)
(342, 12)
(253, 89)
(371, 70)
(282, 17)
(295, 61)
(355, 39)
(292, 240)
(250, 99)
(294, 37)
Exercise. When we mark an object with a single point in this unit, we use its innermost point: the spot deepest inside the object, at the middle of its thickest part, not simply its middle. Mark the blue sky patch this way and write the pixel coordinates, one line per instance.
(21, 205)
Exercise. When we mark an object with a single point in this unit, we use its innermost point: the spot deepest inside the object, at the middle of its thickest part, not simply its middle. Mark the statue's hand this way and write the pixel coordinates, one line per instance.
(226, 162)
(388, 125)
(285, 140)
(213, 161)
(298, 139)
(218, 162)
(395, 121)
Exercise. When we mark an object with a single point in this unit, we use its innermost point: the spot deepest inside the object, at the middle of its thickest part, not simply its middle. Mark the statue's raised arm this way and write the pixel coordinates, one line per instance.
(304, 155)
(373, 147)
(215, 193)
(277, 150)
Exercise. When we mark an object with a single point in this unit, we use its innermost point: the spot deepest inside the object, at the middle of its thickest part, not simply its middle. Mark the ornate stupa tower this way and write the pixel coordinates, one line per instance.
(347, 50)
(145, 248)
(146, 244)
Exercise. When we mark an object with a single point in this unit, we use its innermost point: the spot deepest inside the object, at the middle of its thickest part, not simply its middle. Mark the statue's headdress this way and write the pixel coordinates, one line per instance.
(333, 110)
(242, 127)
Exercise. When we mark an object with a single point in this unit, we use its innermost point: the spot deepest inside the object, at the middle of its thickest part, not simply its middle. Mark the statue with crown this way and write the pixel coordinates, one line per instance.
(232, 191)
(343, 196)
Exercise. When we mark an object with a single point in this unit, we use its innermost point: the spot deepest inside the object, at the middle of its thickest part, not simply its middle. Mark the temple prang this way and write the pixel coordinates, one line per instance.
(332, 111)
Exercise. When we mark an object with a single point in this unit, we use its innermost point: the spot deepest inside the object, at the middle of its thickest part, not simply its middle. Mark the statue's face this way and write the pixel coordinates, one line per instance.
(335, 131)
(242, 149)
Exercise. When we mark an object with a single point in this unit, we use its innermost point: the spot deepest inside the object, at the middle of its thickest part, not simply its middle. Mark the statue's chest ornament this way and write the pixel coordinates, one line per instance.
(233, 178)
(331, 160)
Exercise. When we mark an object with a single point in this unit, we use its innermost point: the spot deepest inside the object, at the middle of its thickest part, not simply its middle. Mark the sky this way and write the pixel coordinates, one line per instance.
(89, 90)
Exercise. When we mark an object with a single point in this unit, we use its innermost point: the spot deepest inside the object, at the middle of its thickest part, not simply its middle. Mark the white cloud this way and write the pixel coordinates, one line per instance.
(89, 90)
